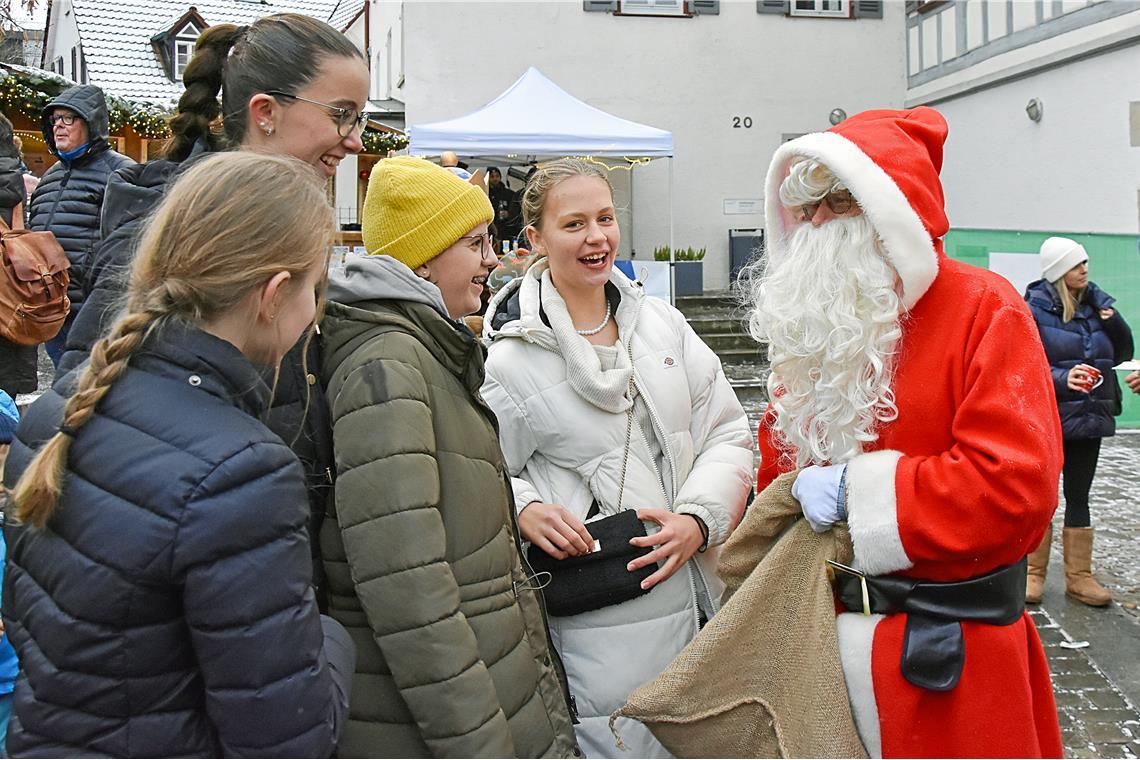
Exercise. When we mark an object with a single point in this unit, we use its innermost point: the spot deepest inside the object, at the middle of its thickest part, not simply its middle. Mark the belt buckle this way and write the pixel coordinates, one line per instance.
(862, 583)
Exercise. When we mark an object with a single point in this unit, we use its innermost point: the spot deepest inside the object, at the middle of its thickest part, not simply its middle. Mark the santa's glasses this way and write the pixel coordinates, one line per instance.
(839, 201)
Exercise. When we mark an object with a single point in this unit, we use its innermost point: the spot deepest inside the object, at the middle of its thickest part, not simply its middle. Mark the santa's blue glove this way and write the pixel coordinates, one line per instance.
(820, 492)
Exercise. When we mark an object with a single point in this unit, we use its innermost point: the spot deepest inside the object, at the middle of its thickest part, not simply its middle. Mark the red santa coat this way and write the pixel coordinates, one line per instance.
(964, 480)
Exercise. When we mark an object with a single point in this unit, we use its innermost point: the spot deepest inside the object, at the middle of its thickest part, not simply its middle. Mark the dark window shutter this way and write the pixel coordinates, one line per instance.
(868, 8)
(600, 6)
(782, 7)
(704, 7)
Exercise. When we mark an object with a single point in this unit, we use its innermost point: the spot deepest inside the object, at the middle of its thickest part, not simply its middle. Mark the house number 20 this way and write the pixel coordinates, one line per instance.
(742, 121)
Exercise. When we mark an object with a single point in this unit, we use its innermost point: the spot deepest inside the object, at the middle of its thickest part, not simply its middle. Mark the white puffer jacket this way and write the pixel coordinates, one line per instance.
(563, 449)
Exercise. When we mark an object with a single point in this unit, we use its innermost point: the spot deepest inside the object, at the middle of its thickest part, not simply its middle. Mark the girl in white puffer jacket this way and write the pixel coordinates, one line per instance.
(566, 341)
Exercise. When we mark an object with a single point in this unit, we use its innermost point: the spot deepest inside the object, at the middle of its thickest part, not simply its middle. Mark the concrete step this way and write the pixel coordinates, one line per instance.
(732, 341)
(692, 306)
(714, 324)
(741, 355)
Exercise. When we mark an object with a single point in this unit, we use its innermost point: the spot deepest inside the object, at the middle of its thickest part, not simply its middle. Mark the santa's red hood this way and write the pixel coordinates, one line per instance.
(890, 161)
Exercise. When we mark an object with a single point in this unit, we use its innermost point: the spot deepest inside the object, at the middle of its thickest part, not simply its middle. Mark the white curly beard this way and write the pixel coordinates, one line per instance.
(828, 306)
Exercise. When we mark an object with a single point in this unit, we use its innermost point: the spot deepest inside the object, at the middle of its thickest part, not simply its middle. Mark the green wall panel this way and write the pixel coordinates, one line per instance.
(1114, 265)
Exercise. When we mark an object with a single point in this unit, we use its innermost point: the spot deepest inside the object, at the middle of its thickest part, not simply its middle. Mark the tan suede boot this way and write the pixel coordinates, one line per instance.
(1079, 581)
(1038, 562)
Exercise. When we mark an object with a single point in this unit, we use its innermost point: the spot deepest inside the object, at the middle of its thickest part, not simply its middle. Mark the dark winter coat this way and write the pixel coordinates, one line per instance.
(17, 363)
(166, 608)
(1085, 339)
(299, 414)
(70, 195)
(421, 548)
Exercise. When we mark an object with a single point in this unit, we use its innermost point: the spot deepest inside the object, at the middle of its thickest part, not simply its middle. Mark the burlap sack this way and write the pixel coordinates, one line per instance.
(763, 678)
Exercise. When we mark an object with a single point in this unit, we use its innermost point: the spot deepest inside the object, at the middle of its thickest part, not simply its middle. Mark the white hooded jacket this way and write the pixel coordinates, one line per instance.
(563, 448)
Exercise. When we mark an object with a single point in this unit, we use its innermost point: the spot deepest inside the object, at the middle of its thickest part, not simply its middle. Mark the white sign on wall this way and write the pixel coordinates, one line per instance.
(1019, 268)
(743, 206)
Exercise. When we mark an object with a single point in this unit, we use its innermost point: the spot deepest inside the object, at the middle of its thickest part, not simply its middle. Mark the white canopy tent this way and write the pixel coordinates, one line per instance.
(537, 118)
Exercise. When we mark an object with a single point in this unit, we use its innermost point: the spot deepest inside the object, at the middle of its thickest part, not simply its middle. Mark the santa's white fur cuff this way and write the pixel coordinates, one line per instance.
(872, 513)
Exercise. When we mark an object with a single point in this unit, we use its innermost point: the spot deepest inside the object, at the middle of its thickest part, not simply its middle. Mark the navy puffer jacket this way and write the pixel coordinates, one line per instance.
(166, 607)
(69, 198)
(1085, 339)
(299, 414)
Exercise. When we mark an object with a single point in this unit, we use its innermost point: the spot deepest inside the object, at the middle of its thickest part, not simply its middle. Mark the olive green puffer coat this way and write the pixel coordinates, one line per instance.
(420, 545)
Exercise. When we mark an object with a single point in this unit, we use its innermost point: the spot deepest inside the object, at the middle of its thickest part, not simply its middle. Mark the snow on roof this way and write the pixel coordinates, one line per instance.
(345, 13)
(116, 38)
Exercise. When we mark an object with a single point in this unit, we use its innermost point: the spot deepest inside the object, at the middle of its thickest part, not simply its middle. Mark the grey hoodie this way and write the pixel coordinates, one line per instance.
(382, 278)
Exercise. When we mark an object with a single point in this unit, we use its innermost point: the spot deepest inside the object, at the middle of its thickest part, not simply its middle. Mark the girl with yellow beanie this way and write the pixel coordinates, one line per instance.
(420, 543)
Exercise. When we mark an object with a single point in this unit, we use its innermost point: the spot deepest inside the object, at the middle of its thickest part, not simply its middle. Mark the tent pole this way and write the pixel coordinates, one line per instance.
(672, 250)
(632, 249)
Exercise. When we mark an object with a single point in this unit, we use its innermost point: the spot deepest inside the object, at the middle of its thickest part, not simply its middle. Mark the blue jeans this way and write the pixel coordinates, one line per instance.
(56, 345)
(5, 714)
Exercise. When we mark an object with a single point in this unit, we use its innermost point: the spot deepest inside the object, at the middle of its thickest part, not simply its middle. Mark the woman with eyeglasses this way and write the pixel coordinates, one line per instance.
(290, 85)
(420, 543)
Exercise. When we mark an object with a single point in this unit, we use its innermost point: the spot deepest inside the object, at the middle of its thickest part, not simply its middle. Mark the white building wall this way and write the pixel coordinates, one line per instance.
(1075, 170)
(1078, 168)
(690, 76)
(63, 36)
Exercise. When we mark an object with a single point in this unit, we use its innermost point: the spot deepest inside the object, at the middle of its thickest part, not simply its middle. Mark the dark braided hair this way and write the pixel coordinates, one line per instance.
(280, 52)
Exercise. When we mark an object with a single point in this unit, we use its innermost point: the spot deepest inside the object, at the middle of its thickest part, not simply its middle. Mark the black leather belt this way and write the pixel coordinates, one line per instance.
(934, 650)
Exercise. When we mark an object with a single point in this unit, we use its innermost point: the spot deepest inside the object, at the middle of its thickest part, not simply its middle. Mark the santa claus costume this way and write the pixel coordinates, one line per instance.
(964, 480)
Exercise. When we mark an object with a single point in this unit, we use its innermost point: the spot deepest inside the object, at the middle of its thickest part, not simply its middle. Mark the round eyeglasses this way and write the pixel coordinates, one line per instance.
(839, 201)
(345, 118)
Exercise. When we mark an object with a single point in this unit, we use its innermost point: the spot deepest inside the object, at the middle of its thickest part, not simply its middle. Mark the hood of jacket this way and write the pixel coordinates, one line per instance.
(1043, 295)
(516, 310)
(373, 294)
(90, 103)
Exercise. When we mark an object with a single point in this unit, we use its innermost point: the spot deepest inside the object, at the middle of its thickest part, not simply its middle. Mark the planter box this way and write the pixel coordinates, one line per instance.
(654, 277)
(689, 278)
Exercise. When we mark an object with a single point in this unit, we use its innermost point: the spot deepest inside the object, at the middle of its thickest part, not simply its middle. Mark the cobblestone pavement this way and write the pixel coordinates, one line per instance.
(1098, 686)
(1097, 719)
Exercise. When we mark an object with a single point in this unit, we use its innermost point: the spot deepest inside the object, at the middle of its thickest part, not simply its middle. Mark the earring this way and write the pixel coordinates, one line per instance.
(267, 129)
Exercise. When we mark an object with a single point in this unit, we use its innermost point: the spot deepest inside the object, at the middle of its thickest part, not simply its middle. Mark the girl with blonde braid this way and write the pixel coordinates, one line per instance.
(158, 589)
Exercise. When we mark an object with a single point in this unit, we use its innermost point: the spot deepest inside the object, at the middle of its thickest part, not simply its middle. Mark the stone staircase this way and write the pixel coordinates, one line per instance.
(720, 323)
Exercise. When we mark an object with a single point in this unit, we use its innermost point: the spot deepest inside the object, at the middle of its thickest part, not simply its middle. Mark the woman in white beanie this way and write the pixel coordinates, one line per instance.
(1084, 338)
(420, 541)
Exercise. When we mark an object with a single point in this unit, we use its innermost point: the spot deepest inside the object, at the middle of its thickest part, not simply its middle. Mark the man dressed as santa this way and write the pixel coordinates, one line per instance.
(914, 391)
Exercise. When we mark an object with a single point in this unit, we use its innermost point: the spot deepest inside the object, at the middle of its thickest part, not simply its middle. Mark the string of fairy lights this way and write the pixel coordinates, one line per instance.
(27, 94)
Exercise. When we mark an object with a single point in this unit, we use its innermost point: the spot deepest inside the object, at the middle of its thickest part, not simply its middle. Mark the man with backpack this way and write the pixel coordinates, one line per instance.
(68, 199)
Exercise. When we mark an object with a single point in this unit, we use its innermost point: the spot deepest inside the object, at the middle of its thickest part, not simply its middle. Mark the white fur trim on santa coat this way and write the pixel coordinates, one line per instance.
(872, 513)
(856, 634)
(907, 243)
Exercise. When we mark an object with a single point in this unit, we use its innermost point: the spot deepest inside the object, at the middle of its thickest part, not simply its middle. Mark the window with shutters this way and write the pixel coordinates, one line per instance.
(675, 8)
(652, 8)
(822, 8)
(836, 8)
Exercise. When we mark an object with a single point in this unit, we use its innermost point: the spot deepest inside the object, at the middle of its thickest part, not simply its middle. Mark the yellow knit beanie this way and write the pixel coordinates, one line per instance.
(415, 210)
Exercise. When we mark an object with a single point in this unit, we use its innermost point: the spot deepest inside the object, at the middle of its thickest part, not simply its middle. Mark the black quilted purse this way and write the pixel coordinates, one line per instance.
(597, 579)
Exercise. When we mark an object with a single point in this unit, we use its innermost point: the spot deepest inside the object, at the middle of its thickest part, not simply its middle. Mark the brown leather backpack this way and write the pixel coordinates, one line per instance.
(33, 286)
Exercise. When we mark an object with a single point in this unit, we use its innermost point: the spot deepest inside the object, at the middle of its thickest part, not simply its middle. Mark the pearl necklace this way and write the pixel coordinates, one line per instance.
(600, 327)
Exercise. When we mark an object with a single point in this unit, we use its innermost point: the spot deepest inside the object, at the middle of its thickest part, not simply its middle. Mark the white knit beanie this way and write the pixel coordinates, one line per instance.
(1059, 255)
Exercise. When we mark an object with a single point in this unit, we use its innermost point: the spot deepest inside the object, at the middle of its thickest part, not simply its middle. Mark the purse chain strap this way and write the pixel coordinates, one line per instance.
(628, 427)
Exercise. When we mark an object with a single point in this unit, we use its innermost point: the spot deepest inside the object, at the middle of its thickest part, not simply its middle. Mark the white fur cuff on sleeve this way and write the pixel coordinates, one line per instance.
(872, 513)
